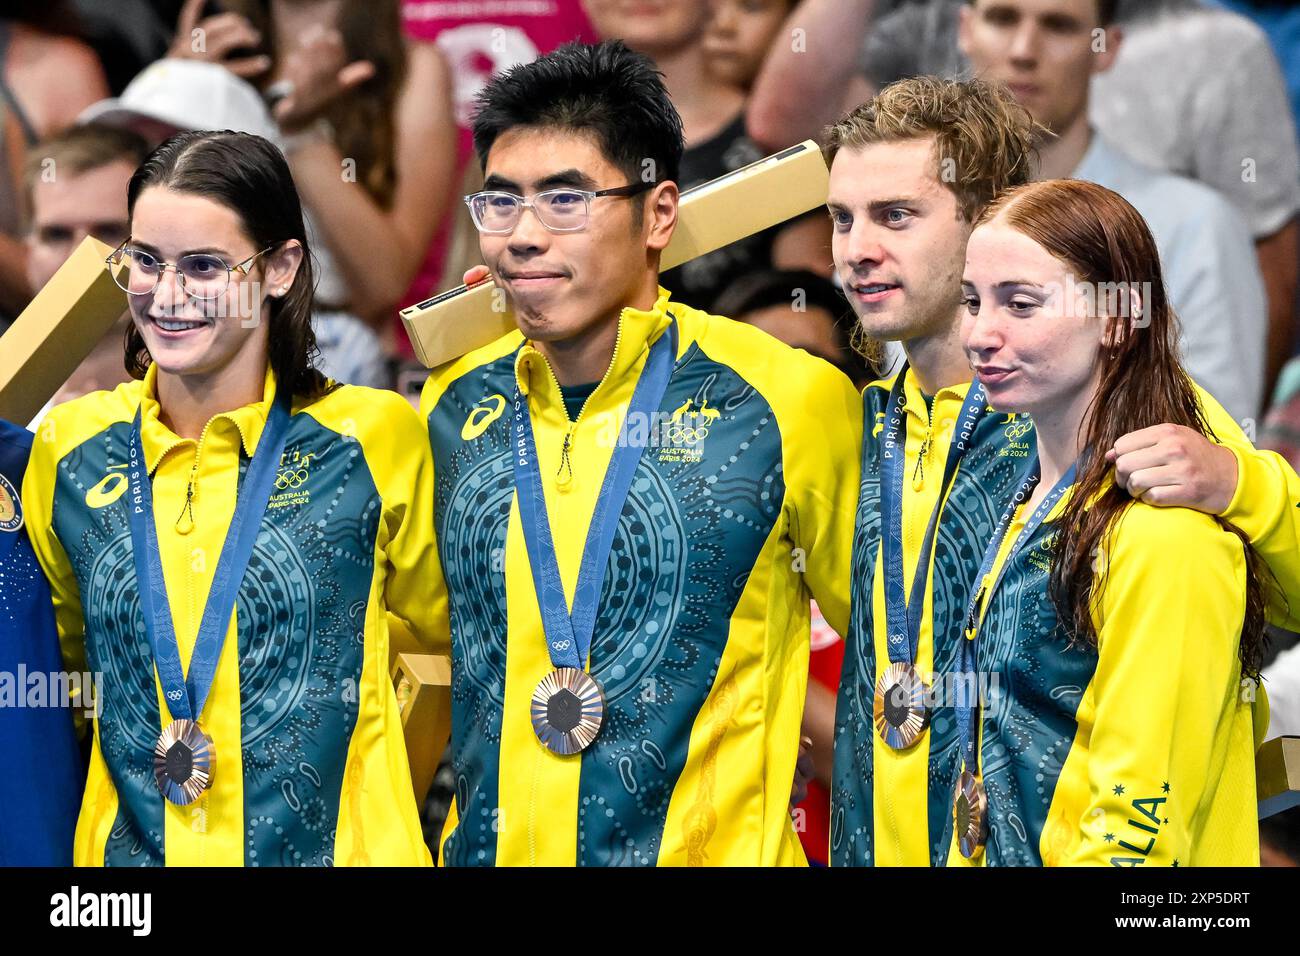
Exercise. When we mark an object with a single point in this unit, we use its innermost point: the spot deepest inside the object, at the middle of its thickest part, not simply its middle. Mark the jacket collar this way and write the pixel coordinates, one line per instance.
(914, 399)
(159, 440)
(637, 330)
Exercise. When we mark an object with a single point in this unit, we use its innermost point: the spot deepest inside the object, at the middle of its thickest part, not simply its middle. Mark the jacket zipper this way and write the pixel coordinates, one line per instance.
(613, 360)
(188, 507)
(918, 474)
(187, 510)
(566, 462)
(918, 482)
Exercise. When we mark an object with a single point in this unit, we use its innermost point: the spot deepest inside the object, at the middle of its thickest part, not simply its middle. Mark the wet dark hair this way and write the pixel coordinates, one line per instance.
(603, 89)
(249, 176)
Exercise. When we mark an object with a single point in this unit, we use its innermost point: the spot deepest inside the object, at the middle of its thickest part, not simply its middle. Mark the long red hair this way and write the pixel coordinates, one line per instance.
(1106, 242)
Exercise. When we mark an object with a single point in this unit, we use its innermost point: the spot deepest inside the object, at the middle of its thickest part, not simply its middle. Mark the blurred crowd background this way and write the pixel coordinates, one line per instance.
(1189, 109)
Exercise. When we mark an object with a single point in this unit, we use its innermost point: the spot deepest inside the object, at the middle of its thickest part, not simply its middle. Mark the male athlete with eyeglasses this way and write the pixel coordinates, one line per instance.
(634, 501)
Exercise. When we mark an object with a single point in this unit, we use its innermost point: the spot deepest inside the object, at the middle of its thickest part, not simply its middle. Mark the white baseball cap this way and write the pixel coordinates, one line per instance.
(187, 94)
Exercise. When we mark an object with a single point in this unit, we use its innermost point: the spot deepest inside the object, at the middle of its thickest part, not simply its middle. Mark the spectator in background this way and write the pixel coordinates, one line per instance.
(76, 183)
(1282, 682)
(1281, 433)
(126, 35)
(1045, 53)
(740, 35)
(1200, 122)
(915, 39)
(46, 78)
(1226, 122)
(713, 116)
(1281, 428)
(366, 124)
(1280, 20)
(806, 311)
(173, 95)
(76, 187)
(1279, 840)
(479, 39)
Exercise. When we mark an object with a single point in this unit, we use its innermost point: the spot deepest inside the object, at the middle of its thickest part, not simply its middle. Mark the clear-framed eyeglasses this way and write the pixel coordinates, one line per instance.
(202, 275)
(559, 210)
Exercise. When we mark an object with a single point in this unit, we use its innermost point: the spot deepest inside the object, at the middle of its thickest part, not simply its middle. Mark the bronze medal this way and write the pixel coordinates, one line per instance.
(183, 762)
(970, 815)
(900, 710)
(567, 710)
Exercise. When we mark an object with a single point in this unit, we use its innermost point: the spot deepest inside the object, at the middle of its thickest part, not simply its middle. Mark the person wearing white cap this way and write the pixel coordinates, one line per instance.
(174, 94)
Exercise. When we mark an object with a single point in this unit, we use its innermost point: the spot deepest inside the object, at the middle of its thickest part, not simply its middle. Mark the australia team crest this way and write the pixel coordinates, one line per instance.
(11, 510)
(685, 430)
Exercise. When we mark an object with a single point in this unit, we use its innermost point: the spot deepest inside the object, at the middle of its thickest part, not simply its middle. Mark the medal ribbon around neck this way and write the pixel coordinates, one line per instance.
(187, 694)
(568, 633)
(966, 690)
(903, 617)
(900, 709)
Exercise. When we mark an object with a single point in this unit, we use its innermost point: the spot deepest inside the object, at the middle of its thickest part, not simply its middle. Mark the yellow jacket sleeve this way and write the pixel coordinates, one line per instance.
(1266, 507)
(1165, 687)
(824, 460)
(413, 591)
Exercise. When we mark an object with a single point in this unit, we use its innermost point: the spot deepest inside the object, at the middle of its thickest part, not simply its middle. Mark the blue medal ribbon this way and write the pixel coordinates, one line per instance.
(568, 634)
(903, 618)
(186, 695)
(966, 693)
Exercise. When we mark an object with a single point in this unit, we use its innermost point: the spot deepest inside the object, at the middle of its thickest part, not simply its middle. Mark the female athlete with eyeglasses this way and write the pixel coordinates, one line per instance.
(227, 538)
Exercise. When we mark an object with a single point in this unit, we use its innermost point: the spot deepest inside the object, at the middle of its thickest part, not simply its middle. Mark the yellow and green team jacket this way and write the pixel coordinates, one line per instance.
(736, 513)
(311, 767)
(894, 808)
(1141, 751)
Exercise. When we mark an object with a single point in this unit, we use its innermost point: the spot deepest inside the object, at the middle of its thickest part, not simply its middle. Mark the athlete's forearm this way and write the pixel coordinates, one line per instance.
(1258, 491)
(1266, 506)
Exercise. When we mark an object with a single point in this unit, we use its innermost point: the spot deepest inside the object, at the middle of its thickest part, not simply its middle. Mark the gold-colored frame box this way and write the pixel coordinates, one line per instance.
(58, 329)
(422, 683)
(1277, 775)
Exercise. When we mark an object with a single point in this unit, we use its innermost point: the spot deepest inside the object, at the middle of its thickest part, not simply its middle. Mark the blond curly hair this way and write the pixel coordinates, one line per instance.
(984, 139)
